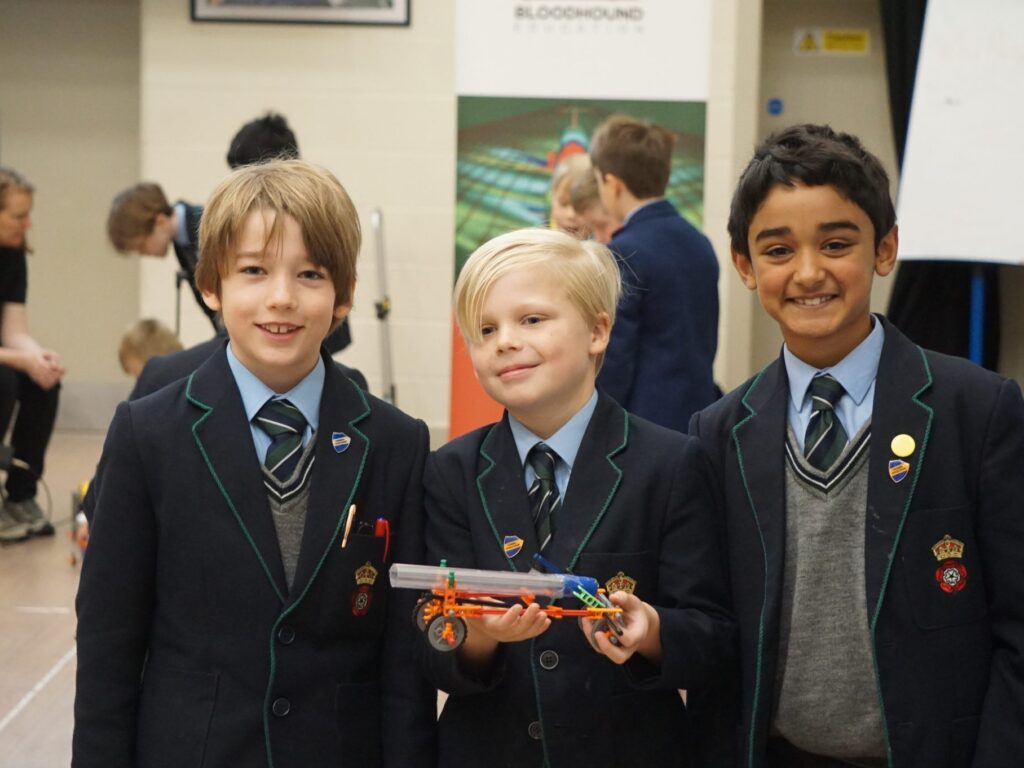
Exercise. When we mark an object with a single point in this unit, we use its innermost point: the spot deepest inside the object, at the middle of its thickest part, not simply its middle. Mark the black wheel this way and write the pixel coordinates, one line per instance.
(436, 630)
(419, 613)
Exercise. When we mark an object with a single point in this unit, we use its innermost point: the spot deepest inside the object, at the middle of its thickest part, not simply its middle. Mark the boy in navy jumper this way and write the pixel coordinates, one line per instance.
(600, 492)
(234, 608)
(872, 495)
(662, 347)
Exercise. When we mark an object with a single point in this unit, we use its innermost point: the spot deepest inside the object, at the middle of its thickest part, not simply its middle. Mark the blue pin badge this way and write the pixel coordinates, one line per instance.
(340, 441)
(513, 545)
(898, 469)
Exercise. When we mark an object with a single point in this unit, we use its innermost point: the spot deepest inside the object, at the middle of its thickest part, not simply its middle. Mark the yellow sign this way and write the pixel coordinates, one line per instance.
(823, 41)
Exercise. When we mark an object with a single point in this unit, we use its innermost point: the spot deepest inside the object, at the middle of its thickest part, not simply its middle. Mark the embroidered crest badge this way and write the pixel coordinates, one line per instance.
(340, 441)
(620, 582)
(951, 573)
(362, 596)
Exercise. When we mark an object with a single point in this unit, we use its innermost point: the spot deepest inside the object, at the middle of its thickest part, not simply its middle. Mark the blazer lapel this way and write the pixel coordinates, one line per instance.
(593, 483)
(224, 439)
(502, 487)
(903, 378)
(336, 475)
(759, 443)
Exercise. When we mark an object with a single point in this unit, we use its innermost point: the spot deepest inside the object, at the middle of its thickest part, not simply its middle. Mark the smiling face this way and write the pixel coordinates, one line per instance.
(537, 356)
(15, 217)
(812, 260)
(277, 305)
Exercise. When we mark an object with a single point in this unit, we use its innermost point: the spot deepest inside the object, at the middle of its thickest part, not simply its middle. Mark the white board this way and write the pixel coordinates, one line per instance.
(962, 188)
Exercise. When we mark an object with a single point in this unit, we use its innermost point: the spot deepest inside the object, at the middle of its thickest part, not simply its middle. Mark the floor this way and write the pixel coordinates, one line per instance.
(37, 620)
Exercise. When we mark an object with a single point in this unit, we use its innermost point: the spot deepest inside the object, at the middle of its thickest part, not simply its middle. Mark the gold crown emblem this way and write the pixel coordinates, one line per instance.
(620, 582)
(948, 548)
(366, 574)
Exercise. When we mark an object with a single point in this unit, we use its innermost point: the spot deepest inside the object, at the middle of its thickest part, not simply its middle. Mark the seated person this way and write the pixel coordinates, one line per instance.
(29, 374)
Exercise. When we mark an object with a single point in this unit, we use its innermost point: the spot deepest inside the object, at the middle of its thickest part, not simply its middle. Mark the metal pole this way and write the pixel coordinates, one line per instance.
(383, 308)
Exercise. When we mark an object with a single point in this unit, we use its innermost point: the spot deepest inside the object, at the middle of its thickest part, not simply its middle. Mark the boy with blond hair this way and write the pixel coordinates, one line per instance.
(145, 338)
(234, 607)
(873, 495)
(569, 474)
(663, 346)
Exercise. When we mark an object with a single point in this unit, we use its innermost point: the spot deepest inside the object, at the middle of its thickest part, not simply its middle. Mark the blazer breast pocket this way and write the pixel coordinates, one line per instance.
(634, 572)
(357, 587)
(942, 567)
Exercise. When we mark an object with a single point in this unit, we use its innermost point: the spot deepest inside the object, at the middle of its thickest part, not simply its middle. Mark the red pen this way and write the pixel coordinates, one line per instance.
(383, 528)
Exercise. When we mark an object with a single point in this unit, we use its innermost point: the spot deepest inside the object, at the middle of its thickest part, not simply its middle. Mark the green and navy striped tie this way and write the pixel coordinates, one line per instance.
(825, 438)
(543, 494)
(285, 425)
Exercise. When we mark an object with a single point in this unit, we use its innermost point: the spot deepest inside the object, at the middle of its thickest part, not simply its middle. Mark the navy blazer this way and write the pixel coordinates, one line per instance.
(637, 505)
(662, 347)
(949, 665)
(192, 649)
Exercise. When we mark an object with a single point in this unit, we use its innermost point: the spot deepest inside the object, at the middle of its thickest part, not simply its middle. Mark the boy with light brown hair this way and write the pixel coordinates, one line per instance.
(234, 608)
(145, 338)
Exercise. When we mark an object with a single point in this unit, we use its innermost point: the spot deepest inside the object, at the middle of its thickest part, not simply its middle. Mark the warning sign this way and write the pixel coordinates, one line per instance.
(823, 41)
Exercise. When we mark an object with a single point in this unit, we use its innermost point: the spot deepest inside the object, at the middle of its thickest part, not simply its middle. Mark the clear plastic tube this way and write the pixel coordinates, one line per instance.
(496, 583)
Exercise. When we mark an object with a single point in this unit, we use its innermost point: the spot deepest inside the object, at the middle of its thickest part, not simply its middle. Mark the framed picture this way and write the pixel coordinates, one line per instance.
(394, 12)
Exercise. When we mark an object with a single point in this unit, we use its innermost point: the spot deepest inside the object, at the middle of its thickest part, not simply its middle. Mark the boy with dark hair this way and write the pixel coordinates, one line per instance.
(265, 138)
(659, 360)
(568, 473)
(872, 494)
(234, 608)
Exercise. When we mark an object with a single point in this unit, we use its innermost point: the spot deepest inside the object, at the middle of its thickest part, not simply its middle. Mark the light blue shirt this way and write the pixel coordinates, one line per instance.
(305, 396)
(856, 372)
(565, 442)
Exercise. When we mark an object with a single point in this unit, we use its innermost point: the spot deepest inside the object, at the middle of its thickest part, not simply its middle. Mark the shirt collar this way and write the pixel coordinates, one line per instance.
(305, 395)
(565, 442)
(181, 234)
(856, 372)
(640, 207)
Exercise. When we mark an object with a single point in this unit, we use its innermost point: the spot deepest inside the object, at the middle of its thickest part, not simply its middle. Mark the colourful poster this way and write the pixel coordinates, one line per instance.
(515, 123)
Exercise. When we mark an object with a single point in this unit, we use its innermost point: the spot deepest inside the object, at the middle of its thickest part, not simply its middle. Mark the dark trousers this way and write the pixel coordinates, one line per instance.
(37, 412)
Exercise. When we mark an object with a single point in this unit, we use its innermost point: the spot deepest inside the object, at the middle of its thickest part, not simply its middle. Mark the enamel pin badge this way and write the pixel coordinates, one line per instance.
(340, 441)
(362, 597)
(512, 545)
(951, 573)
(902, 445)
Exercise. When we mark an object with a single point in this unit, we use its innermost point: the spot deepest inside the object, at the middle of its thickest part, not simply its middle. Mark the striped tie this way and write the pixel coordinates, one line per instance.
(285, 425)
(543, 495)
(825, 438)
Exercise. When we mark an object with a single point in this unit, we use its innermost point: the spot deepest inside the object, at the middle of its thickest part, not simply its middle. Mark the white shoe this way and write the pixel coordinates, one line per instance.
(10, 529)
(29, 514)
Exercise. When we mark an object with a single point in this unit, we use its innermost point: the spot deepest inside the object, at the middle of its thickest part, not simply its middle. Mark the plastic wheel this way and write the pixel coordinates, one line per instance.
(437, 629)
(419, 612)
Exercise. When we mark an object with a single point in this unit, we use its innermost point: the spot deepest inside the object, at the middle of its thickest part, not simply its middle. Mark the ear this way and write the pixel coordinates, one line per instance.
(600, 333)
(745, 267)
(212, 300)
(342, 310)
(885, 256)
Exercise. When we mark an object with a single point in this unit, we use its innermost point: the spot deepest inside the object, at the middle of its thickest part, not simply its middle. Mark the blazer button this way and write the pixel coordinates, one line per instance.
(549, 659)
(535, 731)
(285, 634)
(281, 707)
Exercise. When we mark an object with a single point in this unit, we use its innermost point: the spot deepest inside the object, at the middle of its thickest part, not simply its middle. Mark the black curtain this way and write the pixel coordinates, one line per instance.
(930, 301)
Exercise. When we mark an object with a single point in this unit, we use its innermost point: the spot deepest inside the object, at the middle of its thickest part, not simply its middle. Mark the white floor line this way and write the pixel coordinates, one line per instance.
(27, 698)
(42, 609)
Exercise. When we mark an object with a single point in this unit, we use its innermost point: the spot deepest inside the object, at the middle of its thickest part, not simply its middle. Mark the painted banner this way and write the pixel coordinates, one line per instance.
(534, 79)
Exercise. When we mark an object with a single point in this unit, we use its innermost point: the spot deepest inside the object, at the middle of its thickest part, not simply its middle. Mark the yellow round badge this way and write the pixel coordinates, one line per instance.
(903, 445)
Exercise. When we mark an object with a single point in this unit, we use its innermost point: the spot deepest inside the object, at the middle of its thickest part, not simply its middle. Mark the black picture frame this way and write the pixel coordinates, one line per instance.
(367, 12)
